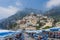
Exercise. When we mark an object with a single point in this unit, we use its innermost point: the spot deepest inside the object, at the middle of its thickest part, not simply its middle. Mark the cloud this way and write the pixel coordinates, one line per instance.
(11, 9)
(18, 3)
(6, 12)
(52, 3)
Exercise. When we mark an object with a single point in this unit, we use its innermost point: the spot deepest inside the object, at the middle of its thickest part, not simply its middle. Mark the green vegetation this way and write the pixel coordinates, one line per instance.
(39, 25)
(59, 22)
(47, 27)
(12, 25)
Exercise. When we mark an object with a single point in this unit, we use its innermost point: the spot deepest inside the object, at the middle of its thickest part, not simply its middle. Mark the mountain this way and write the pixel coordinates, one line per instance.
(1, 20)
(19, 15)
(54, 13)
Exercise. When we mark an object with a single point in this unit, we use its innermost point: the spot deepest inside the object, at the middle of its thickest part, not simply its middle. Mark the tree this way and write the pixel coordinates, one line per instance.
(39, 25)
(12, 25)
(47, 27)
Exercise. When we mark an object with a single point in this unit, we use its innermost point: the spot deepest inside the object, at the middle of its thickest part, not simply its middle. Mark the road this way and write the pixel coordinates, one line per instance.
(28, 38)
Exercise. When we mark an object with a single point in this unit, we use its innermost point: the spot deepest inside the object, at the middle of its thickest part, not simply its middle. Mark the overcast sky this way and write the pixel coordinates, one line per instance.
(10, 7)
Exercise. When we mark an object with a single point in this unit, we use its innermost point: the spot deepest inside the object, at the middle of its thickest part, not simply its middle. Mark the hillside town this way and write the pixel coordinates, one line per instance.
(34, 22)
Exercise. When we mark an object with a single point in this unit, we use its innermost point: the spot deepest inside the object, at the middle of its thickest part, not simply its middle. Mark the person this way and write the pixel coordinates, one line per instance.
(19, 37)
(10, 39)
(44, 35)
(59, 34)
(32, 35)
(22, 36)
(51, 35)
(39, 37)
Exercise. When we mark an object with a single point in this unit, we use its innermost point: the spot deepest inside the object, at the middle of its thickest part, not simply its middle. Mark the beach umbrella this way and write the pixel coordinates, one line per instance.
(54, 29)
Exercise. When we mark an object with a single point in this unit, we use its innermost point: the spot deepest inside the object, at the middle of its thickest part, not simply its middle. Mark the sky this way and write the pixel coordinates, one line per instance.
(10, 7)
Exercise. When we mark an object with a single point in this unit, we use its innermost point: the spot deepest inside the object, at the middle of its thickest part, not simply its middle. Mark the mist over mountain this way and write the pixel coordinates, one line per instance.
(54, 13)
(19, 15)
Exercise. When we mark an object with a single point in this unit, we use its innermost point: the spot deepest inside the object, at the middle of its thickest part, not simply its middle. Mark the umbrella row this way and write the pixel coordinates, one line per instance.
(45, 33)
(10, 34)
